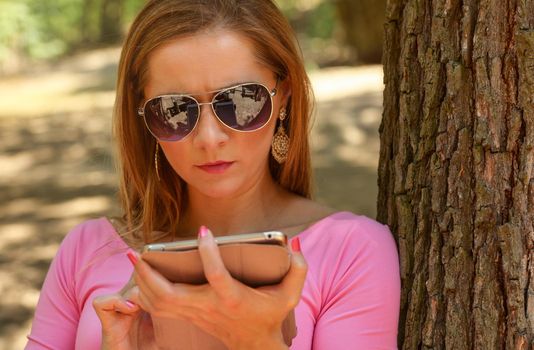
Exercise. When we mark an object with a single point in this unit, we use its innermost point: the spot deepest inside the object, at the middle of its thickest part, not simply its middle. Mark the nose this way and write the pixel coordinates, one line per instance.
(209, 132)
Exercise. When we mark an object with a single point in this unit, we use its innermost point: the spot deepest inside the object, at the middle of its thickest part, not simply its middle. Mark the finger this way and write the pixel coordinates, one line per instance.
(130, 290)
(144, 302)
(157, 294)
(129, 285)
(136, 296)
(132, 295)
(214, 270)
(150, 282)
(173, 309)
(107, 306)
(293, 282)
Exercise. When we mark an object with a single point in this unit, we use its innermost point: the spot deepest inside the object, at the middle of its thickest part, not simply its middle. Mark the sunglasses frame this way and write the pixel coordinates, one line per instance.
(272, 93)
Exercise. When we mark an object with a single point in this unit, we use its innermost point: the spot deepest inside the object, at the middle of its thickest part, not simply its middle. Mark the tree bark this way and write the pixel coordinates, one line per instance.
(456, 170)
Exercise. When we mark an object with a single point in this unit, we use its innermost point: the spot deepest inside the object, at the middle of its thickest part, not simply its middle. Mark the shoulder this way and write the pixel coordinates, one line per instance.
(92, 231)
(349, 239)
(353, 270)
(89, 237)
(77, 250)
(344, 225)
(348, 252)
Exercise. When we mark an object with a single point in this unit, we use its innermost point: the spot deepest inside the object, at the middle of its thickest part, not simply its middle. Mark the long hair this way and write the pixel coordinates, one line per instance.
(152, 208)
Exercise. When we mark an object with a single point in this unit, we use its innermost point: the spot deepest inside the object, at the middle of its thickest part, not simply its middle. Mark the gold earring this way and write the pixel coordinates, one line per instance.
(280, 144)
(156, 160)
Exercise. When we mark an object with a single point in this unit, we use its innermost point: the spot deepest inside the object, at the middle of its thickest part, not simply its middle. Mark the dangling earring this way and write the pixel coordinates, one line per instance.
(156, 160)
(280, 144)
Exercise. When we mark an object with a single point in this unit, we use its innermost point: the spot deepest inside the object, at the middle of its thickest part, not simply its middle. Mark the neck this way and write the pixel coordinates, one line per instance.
(253, 210)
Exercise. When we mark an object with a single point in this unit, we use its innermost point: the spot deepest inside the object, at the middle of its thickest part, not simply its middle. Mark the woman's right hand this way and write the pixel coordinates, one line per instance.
(124, 324)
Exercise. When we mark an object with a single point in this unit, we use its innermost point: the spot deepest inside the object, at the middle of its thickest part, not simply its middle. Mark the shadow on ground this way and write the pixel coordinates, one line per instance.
(56, 169)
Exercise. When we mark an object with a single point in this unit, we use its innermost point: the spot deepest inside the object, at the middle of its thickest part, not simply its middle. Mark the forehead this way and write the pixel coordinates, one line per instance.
(204, 62)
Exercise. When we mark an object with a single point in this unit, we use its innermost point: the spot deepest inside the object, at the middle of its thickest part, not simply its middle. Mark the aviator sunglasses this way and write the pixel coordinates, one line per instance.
(245, 107)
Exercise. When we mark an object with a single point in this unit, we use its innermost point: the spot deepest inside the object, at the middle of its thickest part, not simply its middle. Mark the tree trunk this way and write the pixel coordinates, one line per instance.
(85, 23)
(363, 21)
(456, 173)
(111, 21)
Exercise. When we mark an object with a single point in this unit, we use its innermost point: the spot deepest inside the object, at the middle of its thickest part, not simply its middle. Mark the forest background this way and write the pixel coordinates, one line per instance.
(58, 62)
(33, 31)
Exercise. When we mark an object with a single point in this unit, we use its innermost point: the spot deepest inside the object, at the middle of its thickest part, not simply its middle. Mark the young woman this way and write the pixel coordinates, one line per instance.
(211, 122)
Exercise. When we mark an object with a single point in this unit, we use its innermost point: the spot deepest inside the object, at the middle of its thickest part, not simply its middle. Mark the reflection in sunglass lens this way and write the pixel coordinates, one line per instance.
(243, 108)
(171, 118)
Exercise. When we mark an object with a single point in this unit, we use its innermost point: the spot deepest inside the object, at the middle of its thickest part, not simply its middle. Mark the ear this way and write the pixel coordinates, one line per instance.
(285, 92)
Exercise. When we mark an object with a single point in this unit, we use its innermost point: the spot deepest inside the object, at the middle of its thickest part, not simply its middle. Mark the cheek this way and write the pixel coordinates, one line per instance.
(177, 156)
(260, 143)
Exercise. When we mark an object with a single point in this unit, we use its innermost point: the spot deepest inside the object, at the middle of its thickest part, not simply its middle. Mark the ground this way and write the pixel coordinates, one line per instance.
(56, 165)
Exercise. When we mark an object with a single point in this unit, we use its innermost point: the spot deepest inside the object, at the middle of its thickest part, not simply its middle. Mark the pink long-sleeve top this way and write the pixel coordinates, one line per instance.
(350, 299)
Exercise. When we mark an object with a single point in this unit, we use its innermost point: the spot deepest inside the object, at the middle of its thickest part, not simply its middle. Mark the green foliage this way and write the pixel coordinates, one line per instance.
(311, 18)
(322, 20)
(13, 24)
(131, 8)
(47, 29)
(288, 7)
(43, 29)
(57, 26)
(317, 25)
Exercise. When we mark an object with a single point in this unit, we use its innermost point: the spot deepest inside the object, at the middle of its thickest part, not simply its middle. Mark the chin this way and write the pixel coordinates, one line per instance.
(219, 190)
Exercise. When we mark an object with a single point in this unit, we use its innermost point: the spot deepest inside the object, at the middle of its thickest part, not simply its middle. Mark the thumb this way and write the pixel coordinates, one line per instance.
(293, 282)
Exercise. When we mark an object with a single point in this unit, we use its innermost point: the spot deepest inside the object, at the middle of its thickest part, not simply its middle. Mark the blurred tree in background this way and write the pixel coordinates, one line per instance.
(332, 32)
(363, 27)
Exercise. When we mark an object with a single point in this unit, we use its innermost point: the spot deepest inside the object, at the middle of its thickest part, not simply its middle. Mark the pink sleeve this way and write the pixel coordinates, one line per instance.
(361, 306)
(56, 317)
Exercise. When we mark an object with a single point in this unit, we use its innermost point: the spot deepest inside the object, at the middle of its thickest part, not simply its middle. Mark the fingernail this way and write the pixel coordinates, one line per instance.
(202, 232)
(130, 304)
(295, 244)
(131, 255)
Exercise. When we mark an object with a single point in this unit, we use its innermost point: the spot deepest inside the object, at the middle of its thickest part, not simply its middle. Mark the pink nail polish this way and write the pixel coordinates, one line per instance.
(130, 304)
(295, 244)
(202, 232)
(131, 255)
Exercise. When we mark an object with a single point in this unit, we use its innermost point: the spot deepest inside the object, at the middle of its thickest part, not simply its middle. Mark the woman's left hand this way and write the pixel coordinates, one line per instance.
(240, 316)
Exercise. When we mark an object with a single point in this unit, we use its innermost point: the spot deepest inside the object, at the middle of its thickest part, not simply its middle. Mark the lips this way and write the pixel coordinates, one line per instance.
(217, 167)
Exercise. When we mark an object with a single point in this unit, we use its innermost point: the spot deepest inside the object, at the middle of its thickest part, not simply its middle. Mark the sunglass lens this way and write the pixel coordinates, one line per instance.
(244, 108)
(171, 118)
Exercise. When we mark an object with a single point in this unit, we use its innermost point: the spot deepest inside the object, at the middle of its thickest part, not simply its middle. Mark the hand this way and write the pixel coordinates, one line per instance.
(240, 316)
(123, 322)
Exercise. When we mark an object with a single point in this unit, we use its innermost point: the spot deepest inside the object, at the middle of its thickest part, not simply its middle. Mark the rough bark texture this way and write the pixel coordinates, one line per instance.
(456, 173)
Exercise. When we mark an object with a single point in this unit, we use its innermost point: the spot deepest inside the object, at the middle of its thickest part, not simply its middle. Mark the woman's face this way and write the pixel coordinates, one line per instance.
(208, 62)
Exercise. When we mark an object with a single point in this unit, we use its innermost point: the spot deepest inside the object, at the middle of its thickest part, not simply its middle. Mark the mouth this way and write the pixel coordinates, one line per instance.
(217, 167)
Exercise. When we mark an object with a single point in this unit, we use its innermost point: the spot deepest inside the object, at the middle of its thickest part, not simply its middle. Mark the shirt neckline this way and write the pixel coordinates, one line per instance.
(321, 221)
(301, 233)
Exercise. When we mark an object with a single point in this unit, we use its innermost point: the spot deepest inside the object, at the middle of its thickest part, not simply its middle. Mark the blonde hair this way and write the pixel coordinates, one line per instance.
(152, 208)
